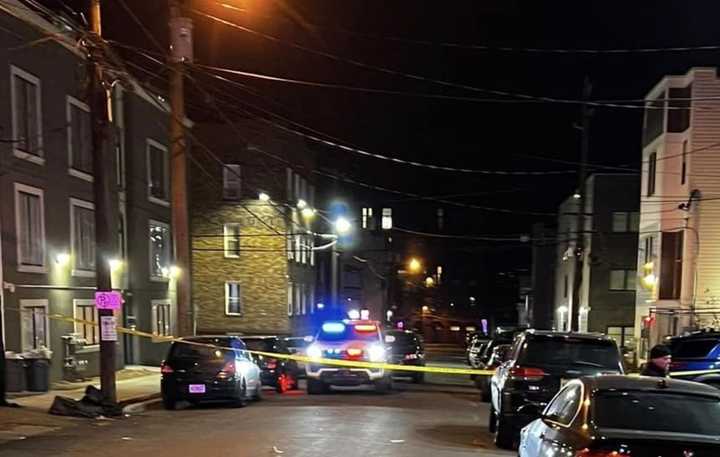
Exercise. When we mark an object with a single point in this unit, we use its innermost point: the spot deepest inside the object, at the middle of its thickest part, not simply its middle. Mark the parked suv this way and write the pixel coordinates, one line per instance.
(697, 351)
(280, 373)
(406, 348)
(539, 364)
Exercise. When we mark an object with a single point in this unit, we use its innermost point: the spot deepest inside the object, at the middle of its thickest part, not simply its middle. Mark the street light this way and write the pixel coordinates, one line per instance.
(414, 265)
(308, 213)
(342, 225)
(264, 197)
(302, 204)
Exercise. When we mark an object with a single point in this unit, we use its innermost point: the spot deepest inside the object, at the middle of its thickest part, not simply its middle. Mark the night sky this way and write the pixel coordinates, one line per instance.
(508, 135)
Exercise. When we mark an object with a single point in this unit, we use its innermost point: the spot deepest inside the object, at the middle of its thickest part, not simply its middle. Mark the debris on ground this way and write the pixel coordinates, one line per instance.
(92, 406)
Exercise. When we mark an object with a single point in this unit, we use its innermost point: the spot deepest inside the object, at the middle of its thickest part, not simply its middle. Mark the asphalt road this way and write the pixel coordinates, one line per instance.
(440, 418)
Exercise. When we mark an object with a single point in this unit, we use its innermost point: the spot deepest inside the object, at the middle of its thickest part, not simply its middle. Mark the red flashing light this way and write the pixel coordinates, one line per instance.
(165, 368)
(527, 373)
(365, 327)
(648, 321)
(354, 352)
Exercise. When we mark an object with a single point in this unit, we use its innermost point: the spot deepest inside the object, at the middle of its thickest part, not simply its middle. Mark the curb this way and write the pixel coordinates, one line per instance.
(137, 404)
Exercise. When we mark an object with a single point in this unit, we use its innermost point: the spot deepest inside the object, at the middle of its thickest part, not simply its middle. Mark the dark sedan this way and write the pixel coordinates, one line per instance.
(407, 348)
(612, 416)
(282, 374)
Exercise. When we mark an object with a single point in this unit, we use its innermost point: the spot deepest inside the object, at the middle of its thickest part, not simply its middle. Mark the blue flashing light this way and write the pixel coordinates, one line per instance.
(333, 327)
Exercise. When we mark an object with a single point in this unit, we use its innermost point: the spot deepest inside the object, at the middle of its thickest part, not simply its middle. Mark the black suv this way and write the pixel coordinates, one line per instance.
(406, 348)
(539, 364)
(282, 374)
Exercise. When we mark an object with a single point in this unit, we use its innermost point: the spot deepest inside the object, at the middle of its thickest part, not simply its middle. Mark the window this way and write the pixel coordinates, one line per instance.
(161, 318)
(158, 173)
(231, 182)
(649, 249)
(652, 171)
(233, 299)
(565, 286)
(85, 310)
(231, 237)
(303, 298)
(387, 221)
(290, 248)
(290, 298)
(683, 171)
(679, 109)
(367, 218)
(623, 221)
(671, 258)
(623, 336)
(159, 250)
(26, 116)
(82, 237)
(297, 301)
(34, 324)
(566, 405)
(30, 226)
(622, 279)
(311, 299)
(79, 139)
(654, 119)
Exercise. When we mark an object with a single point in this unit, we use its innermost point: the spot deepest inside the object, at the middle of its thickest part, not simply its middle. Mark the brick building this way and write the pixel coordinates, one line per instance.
(253, 262)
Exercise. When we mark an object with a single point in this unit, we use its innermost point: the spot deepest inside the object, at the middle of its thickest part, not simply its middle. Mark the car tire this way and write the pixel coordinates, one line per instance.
(315, 387)
(169, 403)
(241, 399)
(384, 385)
(258, 392)
(504, 434)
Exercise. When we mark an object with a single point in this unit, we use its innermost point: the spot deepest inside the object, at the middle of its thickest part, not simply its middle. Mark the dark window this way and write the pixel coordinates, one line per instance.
(649, 249)
(654, 119)
(652, 171)
(580, 352)
(231, 182)
(622, 279)
(79, 141)
(565, 405)
(26, 115)
(158, 171)
(625, 221)
(671, 265)
(683, 172)
(694, 348)
(679, 109)
(565, 286)
(661, 412)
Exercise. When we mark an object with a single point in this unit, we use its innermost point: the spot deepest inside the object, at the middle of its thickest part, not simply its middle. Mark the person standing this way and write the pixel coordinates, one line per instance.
(659, 364)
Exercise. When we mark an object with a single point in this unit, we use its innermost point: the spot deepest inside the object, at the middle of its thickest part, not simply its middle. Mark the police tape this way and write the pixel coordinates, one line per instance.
(358, 364)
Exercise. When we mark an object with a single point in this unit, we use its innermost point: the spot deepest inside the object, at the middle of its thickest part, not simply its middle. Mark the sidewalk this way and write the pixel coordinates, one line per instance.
(134, 384)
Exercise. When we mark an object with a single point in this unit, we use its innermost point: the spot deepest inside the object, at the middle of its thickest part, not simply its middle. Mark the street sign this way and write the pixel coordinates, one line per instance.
(108, 328)
(108, 300)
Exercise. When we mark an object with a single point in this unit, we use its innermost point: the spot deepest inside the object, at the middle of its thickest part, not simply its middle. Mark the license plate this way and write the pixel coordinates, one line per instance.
(196, 388)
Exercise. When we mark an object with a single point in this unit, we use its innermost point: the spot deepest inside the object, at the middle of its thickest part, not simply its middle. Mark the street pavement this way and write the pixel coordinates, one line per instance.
(442, 417)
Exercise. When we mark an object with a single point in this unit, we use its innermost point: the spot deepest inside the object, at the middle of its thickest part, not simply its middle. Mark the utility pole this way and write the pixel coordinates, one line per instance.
(181, 46)
(334, 276)
(104, 228)
(581, 198)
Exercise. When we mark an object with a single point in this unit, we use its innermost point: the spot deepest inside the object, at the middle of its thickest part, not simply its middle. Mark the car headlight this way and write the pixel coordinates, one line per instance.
(314, 351)
(376, 353)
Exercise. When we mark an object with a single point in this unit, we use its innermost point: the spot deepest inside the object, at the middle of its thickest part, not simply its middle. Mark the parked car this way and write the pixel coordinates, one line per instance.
(475, 349)
(348, 340)
(606, 416)
(209, 368)
(697, 351)
(539, 364)
(298, 345)
(499, 353)
(282, 374)
(406, 348)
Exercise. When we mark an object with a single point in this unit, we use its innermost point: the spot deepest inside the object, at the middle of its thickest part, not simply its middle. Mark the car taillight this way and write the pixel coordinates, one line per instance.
(527, 373)
(165, 368)
(228, 371)
(597, 453)
(271, 364)
(411, 356)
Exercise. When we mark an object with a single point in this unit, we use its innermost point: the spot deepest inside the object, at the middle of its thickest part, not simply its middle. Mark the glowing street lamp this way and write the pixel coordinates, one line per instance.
(414, 265)
(342, 225)
(264, 197)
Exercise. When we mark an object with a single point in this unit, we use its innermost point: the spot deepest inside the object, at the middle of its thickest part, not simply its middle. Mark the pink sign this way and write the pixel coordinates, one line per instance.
(108, 300)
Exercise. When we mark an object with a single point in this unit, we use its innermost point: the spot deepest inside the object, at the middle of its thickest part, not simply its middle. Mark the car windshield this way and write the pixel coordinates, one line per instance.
(694, 348)
(661, 412)
(347, 332)
(541, 351)
(263, 345)
(199, 351)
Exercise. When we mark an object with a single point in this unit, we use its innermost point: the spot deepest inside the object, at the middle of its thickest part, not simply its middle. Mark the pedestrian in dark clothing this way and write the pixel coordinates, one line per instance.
(659, 363)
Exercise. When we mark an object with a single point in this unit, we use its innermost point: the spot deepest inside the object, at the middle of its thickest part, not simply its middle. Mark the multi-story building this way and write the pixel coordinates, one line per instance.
(679, 237)
(47, 225)
(253, 246)
(609, 277)
(542, 277)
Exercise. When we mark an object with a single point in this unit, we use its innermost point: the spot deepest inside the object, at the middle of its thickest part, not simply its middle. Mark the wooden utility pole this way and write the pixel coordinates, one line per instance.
(180, 53)
(581, 198)
(104, 211)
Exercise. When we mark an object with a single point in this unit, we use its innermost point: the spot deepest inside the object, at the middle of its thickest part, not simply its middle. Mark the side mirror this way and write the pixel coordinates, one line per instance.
(389, 339)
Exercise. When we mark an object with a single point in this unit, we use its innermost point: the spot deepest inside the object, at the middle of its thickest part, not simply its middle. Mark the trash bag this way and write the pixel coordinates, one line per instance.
(91, 405)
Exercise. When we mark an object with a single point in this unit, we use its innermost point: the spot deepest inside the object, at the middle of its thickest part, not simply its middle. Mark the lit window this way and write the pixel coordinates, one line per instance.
(233, 299)
(159, 249)
(79, 138)
(158, 173)
(231, 237)
(161, 318)
(85, 310)
(82, 237)
(387, 221)
(231, 182)
(290, 298)
(30, 220)
(367, 214)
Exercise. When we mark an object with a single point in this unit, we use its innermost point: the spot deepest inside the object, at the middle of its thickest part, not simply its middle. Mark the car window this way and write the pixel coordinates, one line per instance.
(564, 406)
(694, 348)
(207, 348)
(656, 411)
(262, 345)
(544, 351)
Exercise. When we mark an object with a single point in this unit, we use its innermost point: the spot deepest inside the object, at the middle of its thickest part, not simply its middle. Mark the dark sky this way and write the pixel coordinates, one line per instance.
(492, 136)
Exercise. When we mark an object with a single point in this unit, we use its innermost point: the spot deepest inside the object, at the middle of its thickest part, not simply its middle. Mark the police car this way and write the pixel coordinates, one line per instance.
(354, 340)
